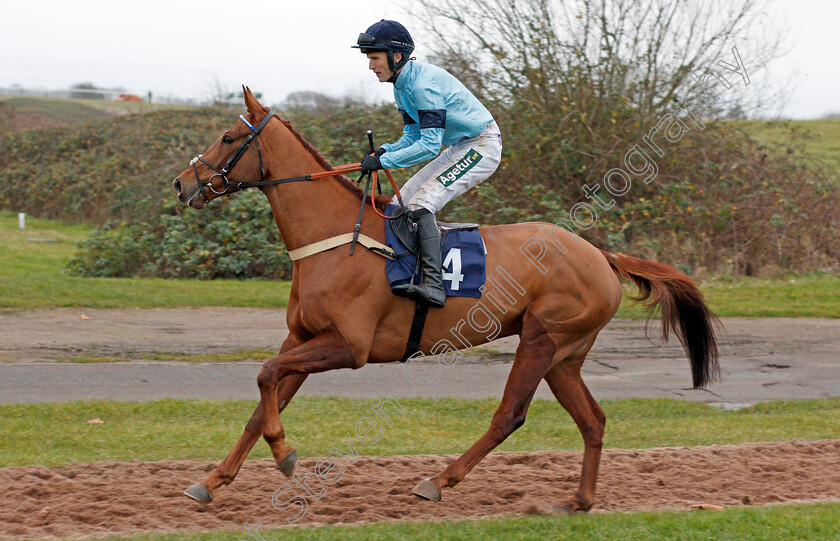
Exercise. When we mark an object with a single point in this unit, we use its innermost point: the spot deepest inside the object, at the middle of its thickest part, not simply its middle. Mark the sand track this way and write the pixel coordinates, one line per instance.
(111, 498)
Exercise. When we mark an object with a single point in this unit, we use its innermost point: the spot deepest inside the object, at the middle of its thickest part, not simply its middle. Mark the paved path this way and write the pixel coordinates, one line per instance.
(762, 359)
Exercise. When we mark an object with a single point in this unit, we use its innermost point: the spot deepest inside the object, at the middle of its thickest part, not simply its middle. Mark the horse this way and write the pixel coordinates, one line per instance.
(553, 289)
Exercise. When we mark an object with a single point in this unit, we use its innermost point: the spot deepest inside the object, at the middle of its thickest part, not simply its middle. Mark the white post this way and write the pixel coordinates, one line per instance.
(22, 220)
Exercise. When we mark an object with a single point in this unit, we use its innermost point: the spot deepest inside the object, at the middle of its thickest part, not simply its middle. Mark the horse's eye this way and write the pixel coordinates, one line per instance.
(227, 139)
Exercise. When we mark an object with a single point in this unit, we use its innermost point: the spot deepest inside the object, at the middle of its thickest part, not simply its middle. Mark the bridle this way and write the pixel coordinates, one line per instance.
(237, 186)
(372, 176)
(231, 187)
(232, 161)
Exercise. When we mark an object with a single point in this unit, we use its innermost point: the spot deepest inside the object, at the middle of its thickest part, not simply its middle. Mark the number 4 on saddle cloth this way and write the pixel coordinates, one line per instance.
(463, 255)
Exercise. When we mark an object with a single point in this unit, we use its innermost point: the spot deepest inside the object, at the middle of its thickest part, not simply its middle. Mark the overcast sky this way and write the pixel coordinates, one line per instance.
(183, 48)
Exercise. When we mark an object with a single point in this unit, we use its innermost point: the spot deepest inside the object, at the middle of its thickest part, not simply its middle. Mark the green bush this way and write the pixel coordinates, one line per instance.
(113, 170)
(117, 173)
(236, 238)
(720, 202)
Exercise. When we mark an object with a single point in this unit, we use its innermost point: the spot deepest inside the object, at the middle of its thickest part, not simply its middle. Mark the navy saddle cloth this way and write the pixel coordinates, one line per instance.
(463, 256)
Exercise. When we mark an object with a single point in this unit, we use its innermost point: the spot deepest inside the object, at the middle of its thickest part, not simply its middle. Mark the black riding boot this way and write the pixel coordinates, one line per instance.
(430, 290)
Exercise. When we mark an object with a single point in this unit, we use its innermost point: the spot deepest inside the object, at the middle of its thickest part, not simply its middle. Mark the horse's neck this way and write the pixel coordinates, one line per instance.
(307, 211)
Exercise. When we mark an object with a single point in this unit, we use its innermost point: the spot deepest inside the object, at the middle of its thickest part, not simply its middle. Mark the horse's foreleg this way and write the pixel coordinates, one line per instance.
(566, 384)
(327, 351)
(533, 359)
(226, 472)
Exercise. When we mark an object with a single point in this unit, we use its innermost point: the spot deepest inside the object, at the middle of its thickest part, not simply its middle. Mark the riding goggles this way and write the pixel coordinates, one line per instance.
(366, 40)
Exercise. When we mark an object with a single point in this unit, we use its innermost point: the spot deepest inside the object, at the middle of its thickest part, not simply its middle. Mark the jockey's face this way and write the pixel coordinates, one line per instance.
(378, 63)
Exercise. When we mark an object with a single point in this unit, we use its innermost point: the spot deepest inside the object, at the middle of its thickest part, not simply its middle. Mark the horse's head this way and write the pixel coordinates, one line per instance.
(232, 154)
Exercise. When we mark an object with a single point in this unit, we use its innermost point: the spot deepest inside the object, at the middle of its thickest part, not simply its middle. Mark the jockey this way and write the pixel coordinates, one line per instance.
(437, 110)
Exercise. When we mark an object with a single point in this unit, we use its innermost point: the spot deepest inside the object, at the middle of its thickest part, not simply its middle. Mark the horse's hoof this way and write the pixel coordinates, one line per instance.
(199, 493)
(427, 490)
(287, 465)
(563, 510)
(572, 507)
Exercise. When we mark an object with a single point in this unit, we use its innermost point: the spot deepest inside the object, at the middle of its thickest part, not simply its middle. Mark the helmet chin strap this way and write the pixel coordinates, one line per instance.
(394, 66)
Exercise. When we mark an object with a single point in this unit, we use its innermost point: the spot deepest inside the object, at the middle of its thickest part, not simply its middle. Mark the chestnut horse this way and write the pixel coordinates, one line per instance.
(556, 291)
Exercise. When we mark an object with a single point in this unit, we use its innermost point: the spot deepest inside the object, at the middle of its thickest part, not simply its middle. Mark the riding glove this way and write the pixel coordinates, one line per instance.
(371, 163)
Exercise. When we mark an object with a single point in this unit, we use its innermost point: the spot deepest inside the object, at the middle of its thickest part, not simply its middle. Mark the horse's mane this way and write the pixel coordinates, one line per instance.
(349, 184)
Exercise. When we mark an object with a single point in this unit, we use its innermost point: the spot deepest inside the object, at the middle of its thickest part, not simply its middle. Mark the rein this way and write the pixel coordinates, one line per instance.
(252, 137)
(318, 247)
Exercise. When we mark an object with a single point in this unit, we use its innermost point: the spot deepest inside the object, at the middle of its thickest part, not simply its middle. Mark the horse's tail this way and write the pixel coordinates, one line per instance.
(684, 310)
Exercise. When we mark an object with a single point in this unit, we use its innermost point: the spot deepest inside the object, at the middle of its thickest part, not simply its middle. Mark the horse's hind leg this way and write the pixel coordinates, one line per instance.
(226, 472)
(533, 359)
(566, 384)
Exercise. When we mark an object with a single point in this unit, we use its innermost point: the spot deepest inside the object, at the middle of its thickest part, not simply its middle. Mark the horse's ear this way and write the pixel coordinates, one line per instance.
(252, 104)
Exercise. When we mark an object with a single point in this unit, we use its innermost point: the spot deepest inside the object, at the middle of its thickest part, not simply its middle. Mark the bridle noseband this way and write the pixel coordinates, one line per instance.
(232, 161)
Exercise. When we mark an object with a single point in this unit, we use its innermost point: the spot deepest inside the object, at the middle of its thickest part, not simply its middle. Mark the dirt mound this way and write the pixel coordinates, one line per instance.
(120, 498)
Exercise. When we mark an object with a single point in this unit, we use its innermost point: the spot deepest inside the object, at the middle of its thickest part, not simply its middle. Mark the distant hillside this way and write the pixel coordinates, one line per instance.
(112, 169)
(117, 173)
(26, 113)
(819, 139)
(121, 168)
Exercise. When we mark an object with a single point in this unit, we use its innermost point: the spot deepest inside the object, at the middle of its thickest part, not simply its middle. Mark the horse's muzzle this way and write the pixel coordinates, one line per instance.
(189, 196)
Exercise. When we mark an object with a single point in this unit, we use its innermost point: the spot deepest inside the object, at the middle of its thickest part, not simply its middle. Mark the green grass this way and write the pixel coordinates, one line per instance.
(821, 138)
(92, 360)
(206, 430)
(33, 276)
(56, 111)
(774, 523)
(811, 295)
(75, 111)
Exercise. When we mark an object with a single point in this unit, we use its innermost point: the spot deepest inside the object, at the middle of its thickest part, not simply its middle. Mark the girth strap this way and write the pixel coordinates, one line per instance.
(328, 244)
(421, 310)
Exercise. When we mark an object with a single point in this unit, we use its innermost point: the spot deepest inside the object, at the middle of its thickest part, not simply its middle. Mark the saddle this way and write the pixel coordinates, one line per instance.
(468, 263)
(406, 231)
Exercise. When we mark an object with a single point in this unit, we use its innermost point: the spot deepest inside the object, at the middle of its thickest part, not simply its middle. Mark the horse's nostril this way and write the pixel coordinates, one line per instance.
(177, 185)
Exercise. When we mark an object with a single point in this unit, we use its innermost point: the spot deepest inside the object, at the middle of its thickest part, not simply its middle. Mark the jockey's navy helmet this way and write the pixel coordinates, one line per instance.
(389, 37)
(385, 36)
